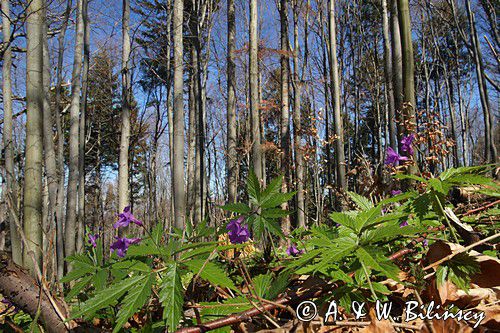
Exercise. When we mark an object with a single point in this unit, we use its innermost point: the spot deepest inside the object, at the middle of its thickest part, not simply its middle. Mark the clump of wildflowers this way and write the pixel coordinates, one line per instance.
(293, 251)
(237, 232)
(125, 218)
(120, 246)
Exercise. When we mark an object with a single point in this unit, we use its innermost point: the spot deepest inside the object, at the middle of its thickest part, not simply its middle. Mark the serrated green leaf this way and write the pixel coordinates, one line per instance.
(75, 290)
(362, 202)
(172, 296)
(79, 269)
(273, 227)
(344, 219)
(239, 208)
(367, 259)
(272, 188)
(210, 272)
(277, 200)
(274, 213)
(99, 279)
(253, 186)
(107, 296)
(262, 283)
(134, 300)
(409, 176)
(132, 265)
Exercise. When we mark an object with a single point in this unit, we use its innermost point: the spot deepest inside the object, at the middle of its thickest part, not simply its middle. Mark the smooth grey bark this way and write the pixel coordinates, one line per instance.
(232, 158)
(178, 119)
(192, 119)
(397, 67)
(51, 180)
(34, 147)
(335, 92)
(73, 177)
(123, 165)
(285, 109)
(254, 91)
(297, 128)
(391, 114)
(8, 144)
(60, 145)
(81, 138)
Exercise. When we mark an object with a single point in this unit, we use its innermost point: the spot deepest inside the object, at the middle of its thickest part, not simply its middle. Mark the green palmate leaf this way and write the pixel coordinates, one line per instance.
(145, 248)
(367, 259)
(361, 201)
(365, 218)
(380, 288)
(157, 232)
(210, 272)
(258, 227)
(392, 231)
(398, 198)
(239, 208)
(342, 247)
(132, 265)
(253, 186)
(471, 179)
(107, 296)
(277, 199)
(279, 285)
(99, 279)
(273, 227)
(274, 213)
(273, 188)
(134, 300)
(75, 290)
(344, 219)
(441, 275)
(413, 177)
(451, 172)
(79, 269)
(437, 186)
(305, 258)
(213, 310)
(172, 296)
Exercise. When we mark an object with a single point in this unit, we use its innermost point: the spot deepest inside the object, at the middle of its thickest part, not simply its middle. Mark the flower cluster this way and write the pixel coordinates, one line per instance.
(238, 233)
(120, 246)
(293, 251)
(406, 144)
(393, 158)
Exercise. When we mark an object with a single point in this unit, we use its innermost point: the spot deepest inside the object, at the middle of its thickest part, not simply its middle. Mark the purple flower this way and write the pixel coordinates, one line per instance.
(125, 218)
(393, 158)
(120, 246)
(406, 143)
(425, 243)
(403, 224)
(293, 251)
(238, 233)
(396, 192)
(9, 304)
(92, 239)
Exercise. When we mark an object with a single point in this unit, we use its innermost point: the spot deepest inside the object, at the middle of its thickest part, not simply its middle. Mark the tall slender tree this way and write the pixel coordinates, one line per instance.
(335, 92)
(123, 164)
(72, 194)
(177, 161)
(8, 143)
(388, 61)
(34, 148)
(232, 159)
(254, 91)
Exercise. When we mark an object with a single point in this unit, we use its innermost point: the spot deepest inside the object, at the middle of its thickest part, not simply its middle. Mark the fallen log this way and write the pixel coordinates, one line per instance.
(19, 287)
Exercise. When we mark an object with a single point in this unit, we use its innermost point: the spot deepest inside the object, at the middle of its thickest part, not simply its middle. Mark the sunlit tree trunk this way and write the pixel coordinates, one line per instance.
(34, 148)
(72, 195)
(397, 68)
(335, 92)
(388, 61)
(8, 144)
(254, 91)
(81, 138)
(232, 158)
(179, 195)
(123, 171)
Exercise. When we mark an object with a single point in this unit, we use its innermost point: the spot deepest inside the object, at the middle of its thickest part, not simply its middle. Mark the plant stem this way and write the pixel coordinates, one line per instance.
(368, 279)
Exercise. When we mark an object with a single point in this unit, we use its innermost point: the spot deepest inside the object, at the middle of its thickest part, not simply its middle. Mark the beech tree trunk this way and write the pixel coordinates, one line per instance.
(254, 91)
(397, 68)
(388, 61)
(8, 144)
(179, 195)
(123, 172)
(73, 177)
(232, 158)
(34, 149)
(335, 92)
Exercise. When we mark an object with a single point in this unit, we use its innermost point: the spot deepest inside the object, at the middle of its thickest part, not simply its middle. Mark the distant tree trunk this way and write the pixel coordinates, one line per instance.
(254, 91)
(178, 119)
(232, 158)
(34, 149)
(123, 172)
(192, 119)
(81, 138)
(285, 110)
(49, 151)
(393, 142)
(409, 104)
(8, 144)
(71, 204)
(397, 67)
(297, 85)
(490, 151)
(60, 146)
(335, 87)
